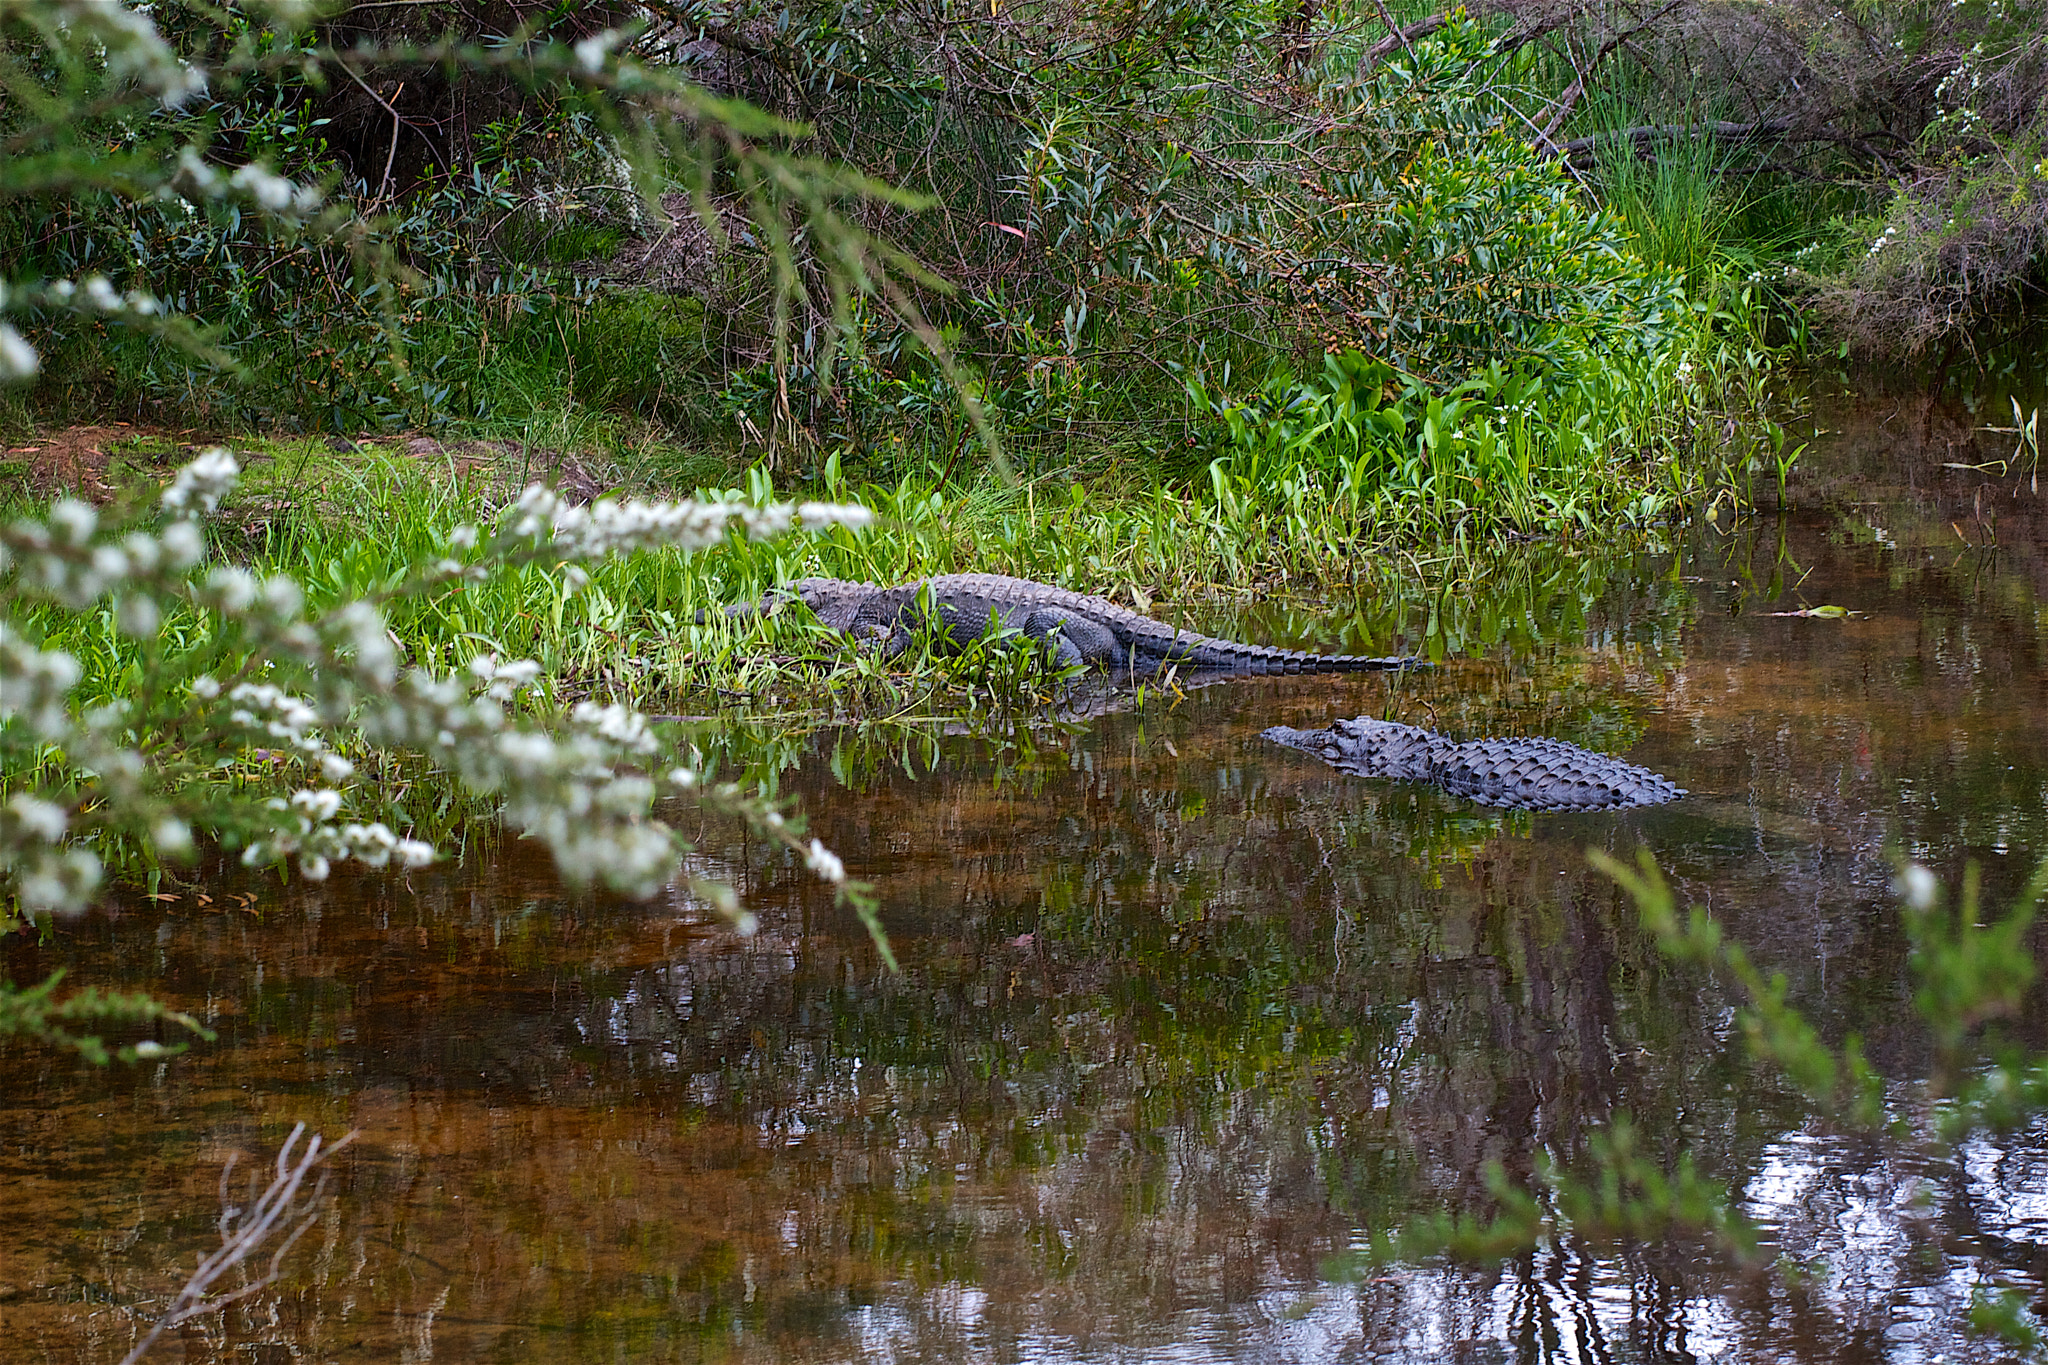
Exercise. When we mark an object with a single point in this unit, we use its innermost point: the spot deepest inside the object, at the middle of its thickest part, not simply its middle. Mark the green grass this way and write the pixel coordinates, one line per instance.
(633, 630)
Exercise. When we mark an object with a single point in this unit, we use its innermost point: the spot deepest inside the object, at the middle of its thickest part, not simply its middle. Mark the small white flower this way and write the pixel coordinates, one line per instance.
(825, 863)
(205, 688)
(142, 552)
(75, 519)
(282, 595)
(137, 616)
(336, 768)
(591, 52)
(183, 545)
(313, 868)
(816, 516)
(17, 358)
(320, 803)
(40, 819)
(1917, 886)
(205, 481)
(172, 836)
(413, 853)
(236, 588)
(272, 193)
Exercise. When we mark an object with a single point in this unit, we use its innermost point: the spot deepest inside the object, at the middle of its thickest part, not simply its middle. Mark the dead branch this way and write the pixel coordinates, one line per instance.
(244, 1231)
(1573, 92)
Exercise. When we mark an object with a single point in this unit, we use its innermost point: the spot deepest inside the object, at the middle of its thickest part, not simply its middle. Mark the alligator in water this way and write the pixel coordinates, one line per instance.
(1081, 629)
(1520, 774)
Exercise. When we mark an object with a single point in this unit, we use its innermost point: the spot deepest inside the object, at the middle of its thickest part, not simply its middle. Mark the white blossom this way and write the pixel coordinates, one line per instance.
(35, 684)
(1917, 886)
(609, 526)
(362, 627)
(172, 836)
(320, 804)
(101, 294)
(183, 545)
(75, 519)
(137, 616)
(143, 552)
(592, 51)
(235, 589)
(42, 820)
(54, 882)
(205, 481)
(622, 725)
(282, 595)
(17, 358)
(825, 863)
(816, 516)
(273, 193)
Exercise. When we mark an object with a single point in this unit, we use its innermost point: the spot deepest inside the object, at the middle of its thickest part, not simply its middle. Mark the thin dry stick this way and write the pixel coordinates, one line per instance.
(1394, 29)
(397, 126)
(244, 1231)
(397, 120)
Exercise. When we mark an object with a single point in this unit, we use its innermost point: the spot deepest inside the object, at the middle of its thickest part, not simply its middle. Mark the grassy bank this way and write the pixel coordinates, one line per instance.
(348, 523)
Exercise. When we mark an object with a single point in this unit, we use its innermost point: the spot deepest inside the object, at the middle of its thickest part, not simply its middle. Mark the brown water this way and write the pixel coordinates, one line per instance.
(1184, 1016)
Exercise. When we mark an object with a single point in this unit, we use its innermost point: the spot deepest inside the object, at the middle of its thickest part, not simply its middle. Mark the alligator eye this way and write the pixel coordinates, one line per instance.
(1333, 751)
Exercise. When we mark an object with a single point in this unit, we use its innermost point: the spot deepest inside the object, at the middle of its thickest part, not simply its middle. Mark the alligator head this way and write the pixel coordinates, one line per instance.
(1368, 747)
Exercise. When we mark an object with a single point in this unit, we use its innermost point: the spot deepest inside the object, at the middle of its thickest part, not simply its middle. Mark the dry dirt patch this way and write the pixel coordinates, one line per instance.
(81, 460)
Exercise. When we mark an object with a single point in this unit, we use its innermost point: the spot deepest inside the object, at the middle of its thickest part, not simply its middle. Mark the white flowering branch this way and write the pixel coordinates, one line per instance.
(583, 782)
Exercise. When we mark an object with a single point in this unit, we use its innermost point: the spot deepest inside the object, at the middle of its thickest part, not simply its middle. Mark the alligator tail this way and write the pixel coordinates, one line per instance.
(1258, 659)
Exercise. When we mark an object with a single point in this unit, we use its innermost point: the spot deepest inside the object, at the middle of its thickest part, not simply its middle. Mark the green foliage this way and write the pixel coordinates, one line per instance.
(1843, 1084)
(1349, 452)
(374, 309)
(2003, 1313)
(1423, 230)
(37, 1013)
(1951, 262)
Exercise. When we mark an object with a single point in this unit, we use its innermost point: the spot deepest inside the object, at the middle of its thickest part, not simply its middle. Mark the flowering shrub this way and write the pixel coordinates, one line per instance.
(575, 780)
(305, 691)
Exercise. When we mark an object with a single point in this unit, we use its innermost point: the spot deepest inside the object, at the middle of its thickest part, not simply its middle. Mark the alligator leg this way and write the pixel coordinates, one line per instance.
(1076, 639)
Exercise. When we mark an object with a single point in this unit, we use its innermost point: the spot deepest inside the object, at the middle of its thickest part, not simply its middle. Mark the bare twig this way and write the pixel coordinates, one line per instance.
(243, 1231)
(1395, 30)
(1577, 88)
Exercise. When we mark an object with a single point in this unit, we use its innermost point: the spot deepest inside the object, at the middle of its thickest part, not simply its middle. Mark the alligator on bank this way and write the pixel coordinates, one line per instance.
(1520, 774)
(1081, 629)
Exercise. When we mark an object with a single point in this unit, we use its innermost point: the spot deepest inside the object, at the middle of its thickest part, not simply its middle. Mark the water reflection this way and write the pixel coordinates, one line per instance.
(1184, 1019)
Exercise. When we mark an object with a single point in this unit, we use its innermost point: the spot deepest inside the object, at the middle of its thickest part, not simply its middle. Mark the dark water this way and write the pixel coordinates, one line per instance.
(1184, 1017)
